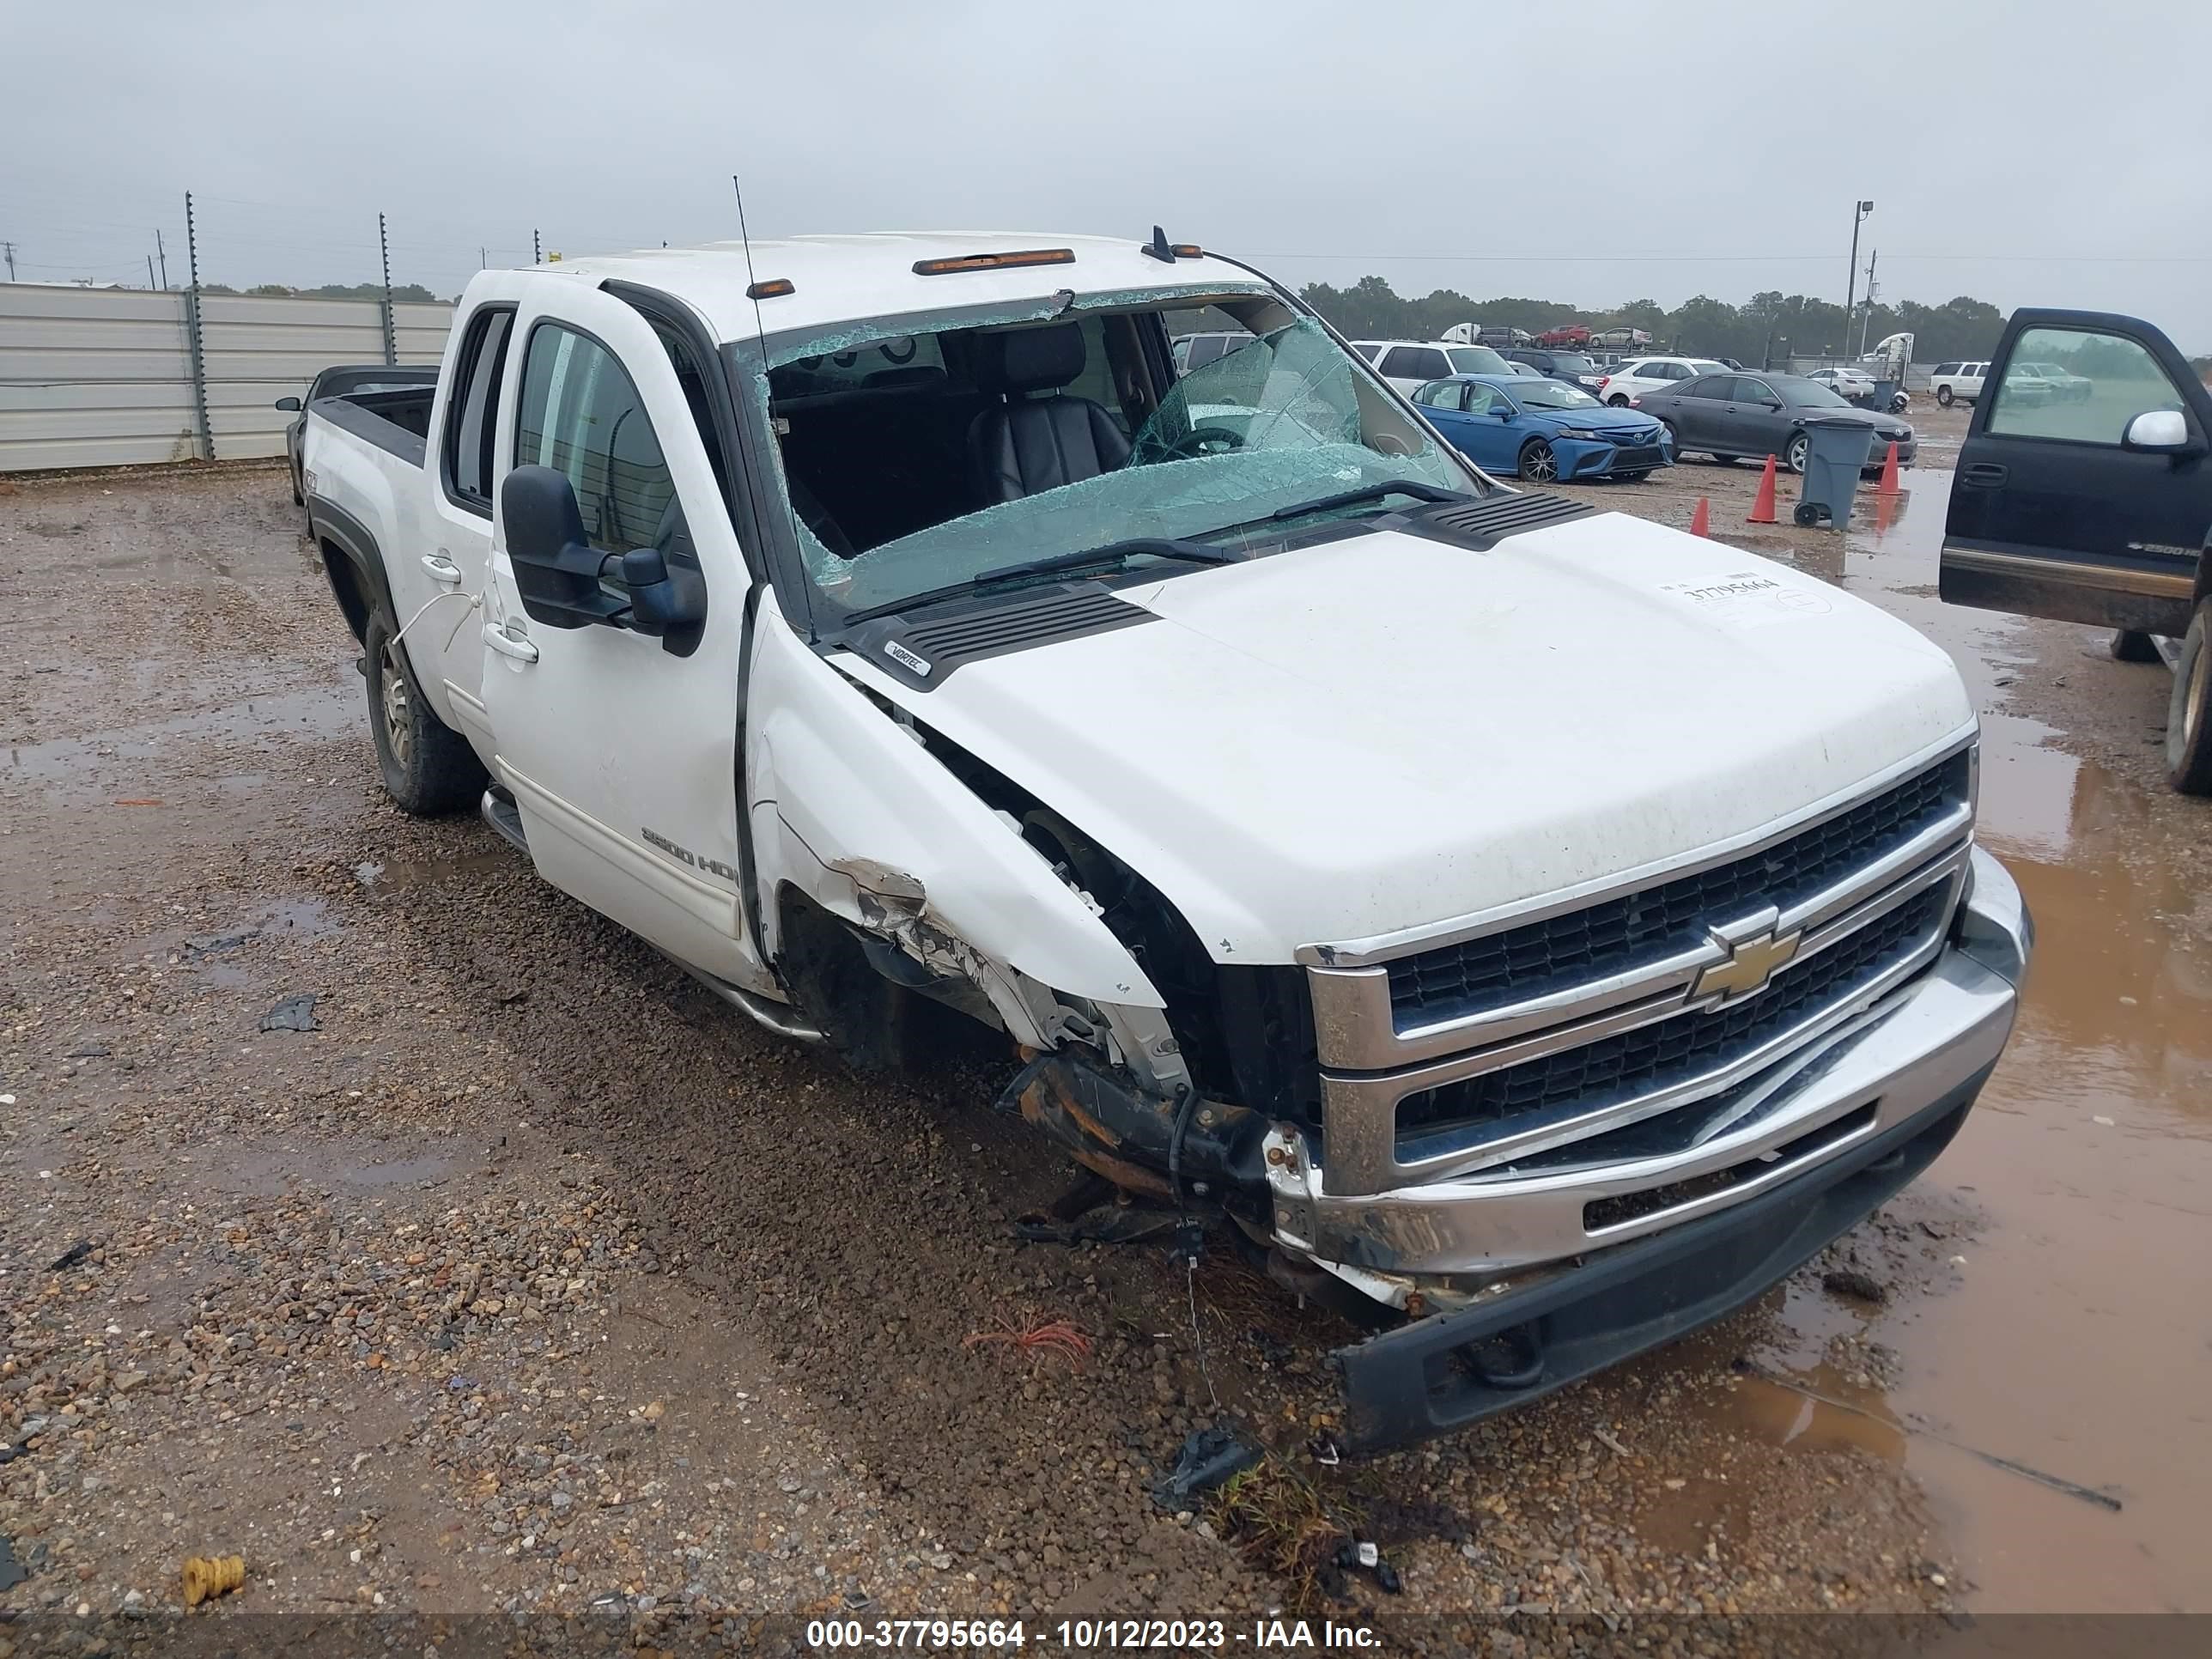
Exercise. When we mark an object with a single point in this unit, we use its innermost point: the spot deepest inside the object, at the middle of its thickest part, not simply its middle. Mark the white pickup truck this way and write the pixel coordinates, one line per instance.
(1541, 926)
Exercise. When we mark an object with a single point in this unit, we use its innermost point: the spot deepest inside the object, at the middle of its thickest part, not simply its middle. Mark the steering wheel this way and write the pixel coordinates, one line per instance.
(1205, 440)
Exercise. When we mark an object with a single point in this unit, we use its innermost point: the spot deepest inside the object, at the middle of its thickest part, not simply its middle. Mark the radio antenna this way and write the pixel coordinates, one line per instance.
(752, 292)
(752, 279)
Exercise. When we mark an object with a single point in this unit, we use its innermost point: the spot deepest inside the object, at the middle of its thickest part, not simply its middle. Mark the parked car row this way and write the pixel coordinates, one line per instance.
(1543, 429)
(1536, 413)
(1410, 365)
(1729, 416)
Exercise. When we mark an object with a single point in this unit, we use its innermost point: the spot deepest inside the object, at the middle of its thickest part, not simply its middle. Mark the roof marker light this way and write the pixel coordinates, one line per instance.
(1036, 255)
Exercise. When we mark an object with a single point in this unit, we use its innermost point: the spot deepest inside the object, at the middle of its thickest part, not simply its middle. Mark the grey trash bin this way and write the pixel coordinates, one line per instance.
(1834, 457)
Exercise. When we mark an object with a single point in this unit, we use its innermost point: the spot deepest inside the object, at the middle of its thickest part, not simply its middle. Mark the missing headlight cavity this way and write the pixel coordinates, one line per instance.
(1245, 1034)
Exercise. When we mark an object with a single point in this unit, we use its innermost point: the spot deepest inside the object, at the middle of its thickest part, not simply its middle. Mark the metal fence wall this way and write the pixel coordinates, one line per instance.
(104, 377)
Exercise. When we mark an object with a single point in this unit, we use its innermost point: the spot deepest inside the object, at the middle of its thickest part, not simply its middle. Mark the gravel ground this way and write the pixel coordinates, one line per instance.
(530, 1281)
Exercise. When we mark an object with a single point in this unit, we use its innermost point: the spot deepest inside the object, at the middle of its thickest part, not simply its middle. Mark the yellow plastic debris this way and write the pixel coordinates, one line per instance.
(208, 1575)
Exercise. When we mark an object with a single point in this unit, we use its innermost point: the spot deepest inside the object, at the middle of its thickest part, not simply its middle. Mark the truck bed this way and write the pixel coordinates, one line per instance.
(397, 420)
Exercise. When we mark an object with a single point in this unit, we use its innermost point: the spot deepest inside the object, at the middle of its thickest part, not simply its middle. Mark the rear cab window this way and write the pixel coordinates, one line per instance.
(466, 451)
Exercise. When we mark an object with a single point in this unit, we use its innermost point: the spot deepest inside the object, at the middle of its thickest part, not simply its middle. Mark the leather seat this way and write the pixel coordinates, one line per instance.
(1025, 445)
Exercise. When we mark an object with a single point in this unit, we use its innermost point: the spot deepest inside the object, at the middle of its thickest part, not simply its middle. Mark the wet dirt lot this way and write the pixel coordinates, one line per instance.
(528, 1280)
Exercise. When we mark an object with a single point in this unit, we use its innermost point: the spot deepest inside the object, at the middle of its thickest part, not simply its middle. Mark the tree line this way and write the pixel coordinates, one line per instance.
(1770, 324)
(414, 292)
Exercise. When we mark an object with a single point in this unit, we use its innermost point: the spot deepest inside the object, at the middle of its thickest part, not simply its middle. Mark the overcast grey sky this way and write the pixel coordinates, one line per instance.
(2040, 151)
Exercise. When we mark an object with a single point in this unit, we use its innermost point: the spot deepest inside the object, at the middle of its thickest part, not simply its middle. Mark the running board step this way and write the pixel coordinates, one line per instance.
(504, 816)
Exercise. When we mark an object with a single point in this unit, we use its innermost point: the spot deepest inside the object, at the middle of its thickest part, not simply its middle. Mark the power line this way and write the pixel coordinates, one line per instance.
(1747, 258)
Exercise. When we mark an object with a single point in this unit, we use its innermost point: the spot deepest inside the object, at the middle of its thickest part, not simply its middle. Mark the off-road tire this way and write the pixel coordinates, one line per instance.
(430, 770)
(2189, 716)
(2131, 644)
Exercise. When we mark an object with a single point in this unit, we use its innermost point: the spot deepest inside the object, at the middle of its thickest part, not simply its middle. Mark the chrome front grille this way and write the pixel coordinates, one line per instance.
(1649, 925)
(1530, 1035)
(1672, 1052)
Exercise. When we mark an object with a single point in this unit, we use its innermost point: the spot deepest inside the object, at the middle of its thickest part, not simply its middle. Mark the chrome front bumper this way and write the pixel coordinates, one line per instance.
(1910, 1050)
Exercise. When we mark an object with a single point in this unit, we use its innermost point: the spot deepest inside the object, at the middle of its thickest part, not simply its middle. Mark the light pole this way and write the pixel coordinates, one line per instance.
(1859, 211)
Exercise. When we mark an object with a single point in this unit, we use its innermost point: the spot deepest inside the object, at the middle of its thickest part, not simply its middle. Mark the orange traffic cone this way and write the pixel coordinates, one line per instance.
(1889, 471)
(1762, 510)
(1698, 519)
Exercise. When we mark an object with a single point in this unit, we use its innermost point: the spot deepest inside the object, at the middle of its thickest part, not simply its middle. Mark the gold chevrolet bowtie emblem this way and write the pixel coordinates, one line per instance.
(1752, 962)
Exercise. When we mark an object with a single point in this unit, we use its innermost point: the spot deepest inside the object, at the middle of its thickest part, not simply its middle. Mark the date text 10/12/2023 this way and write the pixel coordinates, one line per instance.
(1089, 1635)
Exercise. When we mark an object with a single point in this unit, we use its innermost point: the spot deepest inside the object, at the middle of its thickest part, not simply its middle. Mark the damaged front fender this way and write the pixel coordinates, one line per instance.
(849, 809)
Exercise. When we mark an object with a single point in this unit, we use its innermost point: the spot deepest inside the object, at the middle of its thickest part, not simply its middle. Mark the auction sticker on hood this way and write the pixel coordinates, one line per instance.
(1749, 598)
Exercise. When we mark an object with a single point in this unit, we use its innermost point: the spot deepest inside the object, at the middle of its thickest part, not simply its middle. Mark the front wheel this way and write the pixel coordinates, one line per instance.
(1539, 464)
(1794, 456)
(2131, 644)
(428, 768)
(2189, 716)
(1945, 396)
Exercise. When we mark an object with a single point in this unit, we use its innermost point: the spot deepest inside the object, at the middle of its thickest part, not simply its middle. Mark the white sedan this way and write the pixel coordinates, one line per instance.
(1638, 375)
(1845, 383)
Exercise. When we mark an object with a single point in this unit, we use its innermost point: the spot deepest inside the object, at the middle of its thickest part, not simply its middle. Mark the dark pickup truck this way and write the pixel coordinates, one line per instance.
(2096, 508)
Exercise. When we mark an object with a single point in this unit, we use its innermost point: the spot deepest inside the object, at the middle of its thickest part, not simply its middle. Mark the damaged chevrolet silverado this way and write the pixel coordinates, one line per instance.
(1539, 926)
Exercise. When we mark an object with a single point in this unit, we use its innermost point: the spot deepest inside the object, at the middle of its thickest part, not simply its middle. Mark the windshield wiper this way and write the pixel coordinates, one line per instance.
(1111, 556)
(1412, 487)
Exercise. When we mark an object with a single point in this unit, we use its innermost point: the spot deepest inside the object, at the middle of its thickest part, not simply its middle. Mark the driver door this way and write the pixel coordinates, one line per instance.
(620, 747)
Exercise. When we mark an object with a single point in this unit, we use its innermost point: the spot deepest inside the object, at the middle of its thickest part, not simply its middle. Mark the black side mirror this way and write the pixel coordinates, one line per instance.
(556, 570)
(290, 405)
(667, 602)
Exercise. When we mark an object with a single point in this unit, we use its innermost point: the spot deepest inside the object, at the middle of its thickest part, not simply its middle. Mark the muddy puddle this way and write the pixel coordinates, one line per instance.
(2070, 1327)
(278, 721)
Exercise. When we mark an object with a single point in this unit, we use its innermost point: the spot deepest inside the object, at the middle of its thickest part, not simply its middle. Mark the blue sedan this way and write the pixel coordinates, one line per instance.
(1543, 430)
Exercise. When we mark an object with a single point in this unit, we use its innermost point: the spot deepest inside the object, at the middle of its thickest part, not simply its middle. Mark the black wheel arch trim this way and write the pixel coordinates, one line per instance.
(331, 525)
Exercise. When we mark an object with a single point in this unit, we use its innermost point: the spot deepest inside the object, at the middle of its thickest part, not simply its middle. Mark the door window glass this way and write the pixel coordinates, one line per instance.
(1481, 399)
(581, 414)
(2080, 385)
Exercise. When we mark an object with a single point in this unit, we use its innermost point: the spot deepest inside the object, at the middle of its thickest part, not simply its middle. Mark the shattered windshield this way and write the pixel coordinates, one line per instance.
(972, 448)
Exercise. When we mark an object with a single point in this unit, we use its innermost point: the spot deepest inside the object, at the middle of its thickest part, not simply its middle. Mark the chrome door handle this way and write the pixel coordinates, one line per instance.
(510, 645)
(442, 569)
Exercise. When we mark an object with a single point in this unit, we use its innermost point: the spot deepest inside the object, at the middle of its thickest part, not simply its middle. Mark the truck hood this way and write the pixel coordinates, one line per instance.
(1333, 744)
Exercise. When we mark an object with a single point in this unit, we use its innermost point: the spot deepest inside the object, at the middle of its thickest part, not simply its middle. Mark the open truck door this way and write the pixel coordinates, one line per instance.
(2084, 495)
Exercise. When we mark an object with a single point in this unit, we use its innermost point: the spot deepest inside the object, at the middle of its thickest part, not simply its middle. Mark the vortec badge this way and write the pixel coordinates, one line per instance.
(898, 653)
